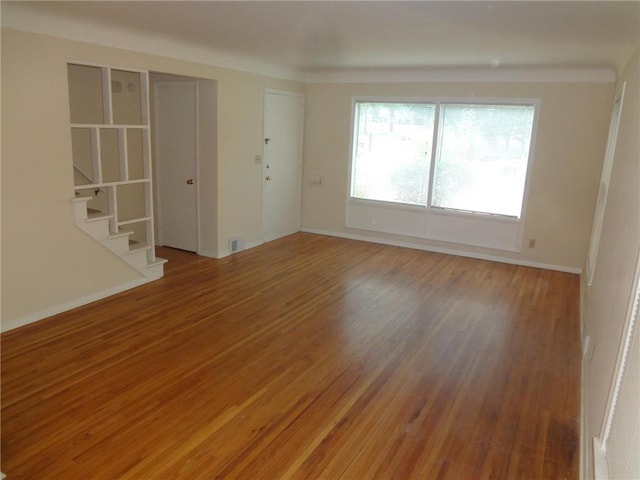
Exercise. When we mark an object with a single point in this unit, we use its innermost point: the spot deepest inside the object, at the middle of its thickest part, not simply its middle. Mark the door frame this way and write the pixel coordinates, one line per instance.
(158, 174)
(603, 185)
(275, 91)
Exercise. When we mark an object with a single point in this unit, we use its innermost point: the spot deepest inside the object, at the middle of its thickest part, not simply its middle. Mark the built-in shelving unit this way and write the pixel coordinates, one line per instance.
(111, 149)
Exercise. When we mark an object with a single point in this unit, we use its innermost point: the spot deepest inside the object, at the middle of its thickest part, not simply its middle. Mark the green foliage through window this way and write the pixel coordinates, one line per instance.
(480, 159)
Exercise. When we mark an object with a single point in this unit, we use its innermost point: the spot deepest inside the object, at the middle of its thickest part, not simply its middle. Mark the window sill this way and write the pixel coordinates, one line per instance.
(462, 213)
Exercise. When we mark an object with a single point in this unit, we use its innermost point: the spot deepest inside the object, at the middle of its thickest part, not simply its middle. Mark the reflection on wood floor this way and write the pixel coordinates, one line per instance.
(308, 357)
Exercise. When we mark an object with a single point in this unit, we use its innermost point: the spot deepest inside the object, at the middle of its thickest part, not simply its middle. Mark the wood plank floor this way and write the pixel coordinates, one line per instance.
(309, 357)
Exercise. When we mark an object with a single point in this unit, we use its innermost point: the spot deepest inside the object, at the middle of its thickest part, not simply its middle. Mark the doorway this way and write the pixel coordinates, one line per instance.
(204, 135)
(282, 163)
(176, 141)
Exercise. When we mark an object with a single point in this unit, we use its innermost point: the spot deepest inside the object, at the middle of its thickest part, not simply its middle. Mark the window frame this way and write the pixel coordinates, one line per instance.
(435, 214)
(354, 147)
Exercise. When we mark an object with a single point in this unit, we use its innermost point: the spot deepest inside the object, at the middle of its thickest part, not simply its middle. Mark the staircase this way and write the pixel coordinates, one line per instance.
(99, 226)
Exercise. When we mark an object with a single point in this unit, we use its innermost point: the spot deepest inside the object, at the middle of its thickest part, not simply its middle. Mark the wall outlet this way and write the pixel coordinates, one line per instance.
(258, 159)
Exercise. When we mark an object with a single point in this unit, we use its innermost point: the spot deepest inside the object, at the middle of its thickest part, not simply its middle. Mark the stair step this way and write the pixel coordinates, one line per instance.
(121, 235)
(80, 208)
(154, 270)
(117, 242)
(96, 217)
(156, 262)
(97, 225)
(140, 248)
(138, 258)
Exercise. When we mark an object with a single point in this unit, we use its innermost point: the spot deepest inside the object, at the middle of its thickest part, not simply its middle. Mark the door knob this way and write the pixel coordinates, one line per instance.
(267, 178)
(190, 181)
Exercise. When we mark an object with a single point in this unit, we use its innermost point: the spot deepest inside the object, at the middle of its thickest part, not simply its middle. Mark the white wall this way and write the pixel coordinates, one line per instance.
(606, 301)
(48, 264)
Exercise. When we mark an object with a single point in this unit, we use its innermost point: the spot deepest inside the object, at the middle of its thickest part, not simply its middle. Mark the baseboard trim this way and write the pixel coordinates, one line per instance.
(79, 302)
(448, 251)
(585, 340)
(48, 312)
(600, 468)
(584, 443)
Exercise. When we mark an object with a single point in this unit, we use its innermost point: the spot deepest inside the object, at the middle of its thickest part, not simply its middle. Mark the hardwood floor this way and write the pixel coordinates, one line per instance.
(308, 357)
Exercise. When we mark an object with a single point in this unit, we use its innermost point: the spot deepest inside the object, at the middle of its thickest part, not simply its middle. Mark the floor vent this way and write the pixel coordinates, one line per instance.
(236, 244)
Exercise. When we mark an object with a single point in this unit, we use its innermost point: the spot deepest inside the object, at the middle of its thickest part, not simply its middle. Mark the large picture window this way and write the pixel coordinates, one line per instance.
(469, 157)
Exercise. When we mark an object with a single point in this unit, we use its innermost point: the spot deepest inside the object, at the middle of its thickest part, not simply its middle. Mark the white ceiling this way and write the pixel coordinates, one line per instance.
(312, 36)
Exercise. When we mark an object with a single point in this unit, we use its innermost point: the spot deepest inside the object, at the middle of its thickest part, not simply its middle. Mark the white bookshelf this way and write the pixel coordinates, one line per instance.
(111, 144)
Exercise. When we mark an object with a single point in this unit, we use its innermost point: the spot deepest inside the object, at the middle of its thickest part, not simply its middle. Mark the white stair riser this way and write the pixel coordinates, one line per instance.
(80, 209)
(154, 272)
(98, 228)
(118, 245)
(137, 259)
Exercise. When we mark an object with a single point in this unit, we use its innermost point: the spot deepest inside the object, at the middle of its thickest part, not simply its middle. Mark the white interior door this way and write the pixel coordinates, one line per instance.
(176, 164)
(282, 164)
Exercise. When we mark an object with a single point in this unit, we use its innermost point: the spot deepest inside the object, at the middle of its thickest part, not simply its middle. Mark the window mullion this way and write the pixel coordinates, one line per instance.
(435, 147)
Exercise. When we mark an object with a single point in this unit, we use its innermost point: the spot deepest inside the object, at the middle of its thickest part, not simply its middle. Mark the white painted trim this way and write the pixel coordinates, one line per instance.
(630, 323)
(448, 251)
(79, 302)
(583, 455)
(584, 443)
(465, 75)
(600, 467)
(584, 336)
(157, 172)
(286, 93)
(198, 160)
(605, 178)
(84, 63)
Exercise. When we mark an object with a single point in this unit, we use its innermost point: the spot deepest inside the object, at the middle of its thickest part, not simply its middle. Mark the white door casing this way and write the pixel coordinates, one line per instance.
(282, 163)
(605, 177)
(176, 119)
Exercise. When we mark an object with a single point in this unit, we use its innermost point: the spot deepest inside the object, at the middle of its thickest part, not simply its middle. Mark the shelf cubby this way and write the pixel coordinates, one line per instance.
(110, 140)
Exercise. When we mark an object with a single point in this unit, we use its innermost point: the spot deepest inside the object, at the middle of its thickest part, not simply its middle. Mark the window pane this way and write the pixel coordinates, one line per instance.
(392, 150)
(481, 164)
